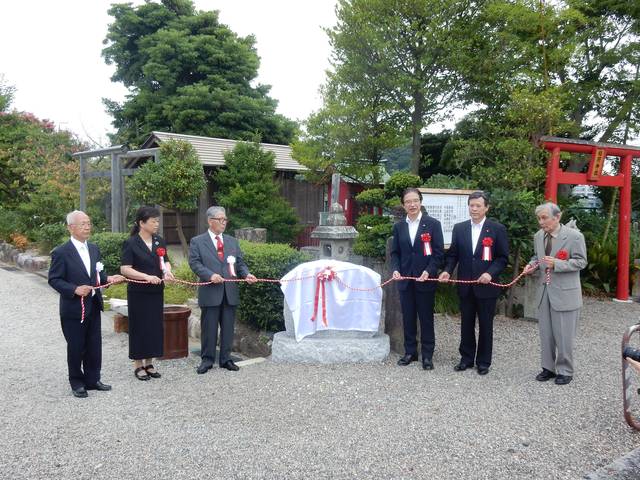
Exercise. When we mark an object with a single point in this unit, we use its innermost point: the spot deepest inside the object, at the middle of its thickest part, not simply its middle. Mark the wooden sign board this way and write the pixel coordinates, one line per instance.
(448, 206)
(596, 164)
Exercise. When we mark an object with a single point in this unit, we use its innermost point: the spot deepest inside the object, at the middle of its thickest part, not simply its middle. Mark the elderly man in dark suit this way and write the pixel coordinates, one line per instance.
(560, 254)
(75, 271)
(214, 257)
(416, 251)
(480, 249)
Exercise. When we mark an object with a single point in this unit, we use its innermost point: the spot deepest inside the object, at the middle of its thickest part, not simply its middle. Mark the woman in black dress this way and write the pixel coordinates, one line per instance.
(144, 257)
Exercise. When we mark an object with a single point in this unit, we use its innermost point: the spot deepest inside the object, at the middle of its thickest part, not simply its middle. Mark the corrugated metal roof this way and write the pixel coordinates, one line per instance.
(211, 150)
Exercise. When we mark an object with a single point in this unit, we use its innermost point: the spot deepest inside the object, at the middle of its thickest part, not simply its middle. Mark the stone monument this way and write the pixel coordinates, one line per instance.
(331, 346)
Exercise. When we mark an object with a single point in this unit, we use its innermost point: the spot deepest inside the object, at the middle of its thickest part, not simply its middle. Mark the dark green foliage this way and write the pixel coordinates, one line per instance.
(373, 232)
(9, 223)
(261, 303)
(110, 245)
(188, 73)
(398, 182)
(447, 299)
(374, 197)
(451, 181)
(248, 191)
(51, 235)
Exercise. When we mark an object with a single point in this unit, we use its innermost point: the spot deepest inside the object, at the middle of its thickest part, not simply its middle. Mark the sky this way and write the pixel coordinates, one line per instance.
(51, 53)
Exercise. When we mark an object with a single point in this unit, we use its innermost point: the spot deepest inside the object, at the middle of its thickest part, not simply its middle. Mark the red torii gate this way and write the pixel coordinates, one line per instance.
(599, 152)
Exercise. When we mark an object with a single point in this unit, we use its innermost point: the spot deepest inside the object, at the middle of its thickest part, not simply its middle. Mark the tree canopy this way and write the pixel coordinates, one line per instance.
(187, 73)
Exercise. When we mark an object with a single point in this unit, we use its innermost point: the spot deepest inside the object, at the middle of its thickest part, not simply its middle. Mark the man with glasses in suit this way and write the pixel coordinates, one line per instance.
(215, 256)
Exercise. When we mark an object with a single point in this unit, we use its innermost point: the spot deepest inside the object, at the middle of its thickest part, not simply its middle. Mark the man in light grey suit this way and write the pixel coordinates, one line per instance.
(214, 257)
(561, 253)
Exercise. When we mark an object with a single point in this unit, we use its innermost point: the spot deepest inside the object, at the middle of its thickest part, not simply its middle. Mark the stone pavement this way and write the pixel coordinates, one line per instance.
(308, 421)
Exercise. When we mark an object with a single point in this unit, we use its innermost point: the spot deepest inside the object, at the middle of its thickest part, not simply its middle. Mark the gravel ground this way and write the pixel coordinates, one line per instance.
(301, 422)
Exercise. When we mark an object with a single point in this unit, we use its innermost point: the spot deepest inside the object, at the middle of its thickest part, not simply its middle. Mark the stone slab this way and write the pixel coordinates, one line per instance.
(624, 468)
(326, 350)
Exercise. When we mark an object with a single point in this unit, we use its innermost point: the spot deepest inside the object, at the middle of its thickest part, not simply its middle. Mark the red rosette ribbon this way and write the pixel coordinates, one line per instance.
(325, 275)
(426, 243)
(562, 255)
(161, 252)
(487, 243)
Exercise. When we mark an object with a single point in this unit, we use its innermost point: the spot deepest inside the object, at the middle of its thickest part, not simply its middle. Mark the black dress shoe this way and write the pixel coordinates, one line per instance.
(427, 365)
(563, 379)
(101, 387)
(483, 370)
(461, 367)
(545, 375)
(407, 359)
(79, 392)
(229, 365)
(204, 368)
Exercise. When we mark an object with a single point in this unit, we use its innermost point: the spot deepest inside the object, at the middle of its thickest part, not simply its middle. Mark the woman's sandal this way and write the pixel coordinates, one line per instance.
(152, 374)
(141, 377)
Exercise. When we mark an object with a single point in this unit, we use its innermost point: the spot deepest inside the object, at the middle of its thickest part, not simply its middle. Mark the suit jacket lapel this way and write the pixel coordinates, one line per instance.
(559, 241)
(485, 232)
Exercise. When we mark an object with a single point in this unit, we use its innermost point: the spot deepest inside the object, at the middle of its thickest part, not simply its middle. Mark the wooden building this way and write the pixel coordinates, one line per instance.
(307, 199)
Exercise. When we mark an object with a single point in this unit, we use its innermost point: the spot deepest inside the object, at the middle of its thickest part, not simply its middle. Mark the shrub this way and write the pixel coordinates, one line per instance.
(261, 304)
(50, 236)
(447, 300)
(399, 181)
(374, 197)
(9, 223)
(110, 244)
(373, 232)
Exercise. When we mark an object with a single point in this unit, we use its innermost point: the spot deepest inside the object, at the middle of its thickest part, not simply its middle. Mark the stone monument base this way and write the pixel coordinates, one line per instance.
(325, 349)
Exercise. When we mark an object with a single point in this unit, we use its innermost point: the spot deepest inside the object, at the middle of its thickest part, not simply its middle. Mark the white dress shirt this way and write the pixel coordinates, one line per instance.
(83, 250)
(213, 238)
(413, 226)
(476, 230)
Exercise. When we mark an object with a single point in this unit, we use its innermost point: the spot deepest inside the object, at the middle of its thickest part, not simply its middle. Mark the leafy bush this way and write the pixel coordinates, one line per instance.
(450, 181)
(19, 241)
(447, 300)
(50, 236)
(261, 304)
(398, 182)
(9, 223)
(110, 244)
(374, 197)
(373, 232)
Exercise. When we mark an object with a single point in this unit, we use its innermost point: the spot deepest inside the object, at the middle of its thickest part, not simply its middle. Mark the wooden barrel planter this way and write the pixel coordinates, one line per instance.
(176, 333)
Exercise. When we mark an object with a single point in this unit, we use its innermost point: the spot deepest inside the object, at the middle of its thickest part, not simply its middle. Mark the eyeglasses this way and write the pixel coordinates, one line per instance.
(221, 219)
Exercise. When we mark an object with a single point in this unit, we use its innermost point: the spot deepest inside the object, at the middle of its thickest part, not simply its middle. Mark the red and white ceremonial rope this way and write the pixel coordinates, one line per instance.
(321, 278)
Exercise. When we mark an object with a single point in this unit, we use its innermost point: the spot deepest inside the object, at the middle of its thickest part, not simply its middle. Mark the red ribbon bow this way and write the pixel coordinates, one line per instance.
(562, 255)
(487, 243)
(322, 277)
(426, 243)
(161, 252)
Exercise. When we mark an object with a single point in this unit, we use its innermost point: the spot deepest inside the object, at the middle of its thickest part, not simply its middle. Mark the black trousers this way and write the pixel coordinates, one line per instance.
(84, 349)
(416, 303)
(484, 309)
(212, 317)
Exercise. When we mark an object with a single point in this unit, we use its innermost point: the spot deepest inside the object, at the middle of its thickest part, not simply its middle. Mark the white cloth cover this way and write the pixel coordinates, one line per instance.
(346, 309)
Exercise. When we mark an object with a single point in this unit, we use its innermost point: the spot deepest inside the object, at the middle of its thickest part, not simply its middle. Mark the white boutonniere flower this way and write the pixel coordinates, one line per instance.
(231, 260)
(99, 267)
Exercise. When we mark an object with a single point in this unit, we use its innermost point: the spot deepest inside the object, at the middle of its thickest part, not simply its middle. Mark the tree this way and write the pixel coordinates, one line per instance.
(187, 73)
(248, 191)
(406, 50)
(174, 182)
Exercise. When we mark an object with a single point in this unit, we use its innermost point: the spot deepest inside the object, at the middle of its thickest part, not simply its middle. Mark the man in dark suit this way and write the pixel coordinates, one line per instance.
(480, 249)
(214, 257)
(417, 250)
(74, 272)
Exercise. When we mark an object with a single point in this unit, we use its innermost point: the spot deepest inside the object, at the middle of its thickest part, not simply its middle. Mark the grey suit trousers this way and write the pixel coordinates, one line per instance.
(557, 336)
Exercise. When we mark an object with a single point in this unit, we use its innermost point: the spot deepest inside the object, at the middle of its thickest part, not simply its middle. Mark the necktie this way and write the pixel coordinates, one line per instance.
(547, 244)
(219, 247)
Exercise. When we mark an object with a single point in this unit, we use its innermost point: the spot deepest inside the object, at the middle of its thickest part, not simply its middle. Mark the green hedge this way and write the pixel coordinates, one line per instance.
(111, 249)
(261, 304)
